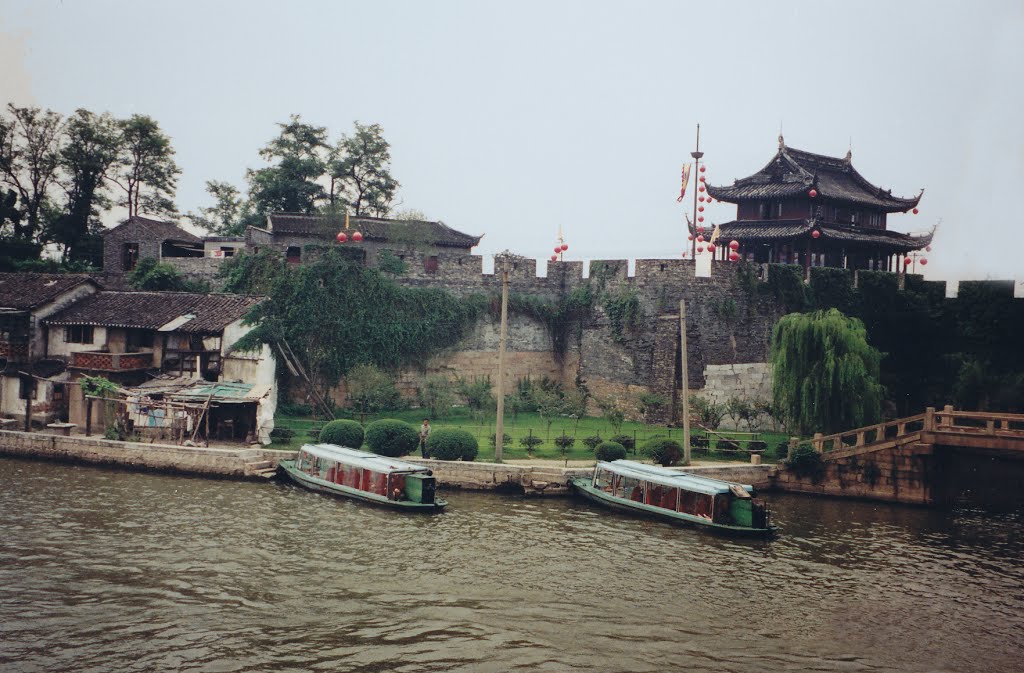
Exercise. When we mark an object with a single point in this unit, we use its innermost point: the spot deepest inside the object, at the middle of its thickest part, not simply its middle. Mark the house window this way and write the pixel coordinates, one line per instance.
(129, 256)
(430, 264)
(140, 338)
(28, 388)
(293, 255)
(228, 251)
(78, 334)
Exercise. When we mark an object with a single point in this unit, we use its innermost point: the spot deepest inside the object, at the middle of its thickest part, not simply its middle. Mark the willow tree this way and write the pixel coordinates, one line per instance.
(825, 374)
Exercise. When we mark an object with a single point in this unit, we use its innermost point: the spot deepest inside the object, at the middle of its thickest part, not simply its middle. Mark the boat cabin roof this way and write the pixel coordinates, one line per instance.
(667, 477)
(361, 459)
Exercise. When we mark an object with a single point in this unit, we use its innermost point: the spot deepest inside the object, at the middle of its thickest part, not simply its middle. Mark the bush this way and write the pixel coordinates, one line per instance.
(506, 439)
(564, 442)
(665, 452)
(609, 451)
(282, 434)
(531, 442)
(700, 443)
(371, 389)
(343, 433)
(627, 441)
(314, 434)
(452, 444)
(757, 446)
(592, 441)
(806, 462)
(391, 437)
(727, 445)
(294, 409)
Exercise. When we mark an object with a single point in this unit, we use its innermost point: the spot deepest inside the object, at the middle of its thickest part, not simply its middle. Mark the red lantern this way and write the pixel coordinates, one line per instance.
(927, 248)
(700, 239)
(701, 199)
(554, 258)
(916, 211)
(357, 237)
(906, 261)
(813, 193)
(700, 228)
(690, 237)
(703, 168)
(700, 218)
(815, 234)
(702, 178)
(701, 188)
(711, 247)
(700, 209)
(924, 262)
(342, 237)
(558, 249)
(734, 245)
(733, 256)
(565, 246)
(700, 248)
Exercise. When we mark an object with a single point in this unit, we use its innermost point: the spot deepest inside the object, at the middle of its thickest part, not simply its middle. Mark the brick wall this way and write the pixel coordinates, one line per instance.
(111, 361)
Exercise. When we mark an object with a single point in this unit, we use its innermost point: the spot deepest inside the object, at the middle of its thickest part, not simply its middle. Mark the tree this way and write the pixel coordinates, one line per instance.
(152, 275)
(29, 157)
(148, 174)
(370, 389)
(228, 215)
(290, 185)
(90, 149)
(361, 166)
(825, 375)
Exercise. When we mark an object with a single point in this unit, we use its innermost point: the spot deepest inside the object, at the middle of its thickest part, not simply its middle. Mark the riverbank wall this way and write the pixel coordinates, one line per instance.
(240, 463)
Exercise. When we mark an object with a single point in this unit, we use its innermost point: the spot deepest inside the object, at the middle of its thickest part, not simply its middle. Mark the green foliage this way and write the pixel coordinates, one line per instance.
(727, 445)
(709, 414)
(825, 375)
(833, 288)
(530, 442)
(371, 390)
(592, 441)
(563, 318)
(336, 314)
(391, 437)
(478, 396)
(390, 263)
(609, 451)
(15, 252)
(435, 394)
(342, 432)
(147, 172)
(807, 463)
(663, 451)
(230, 213)
(786, 284)
(290, 184)
(506, 439)
(564, 441)
(624, 311)
(741, 409)
(651, 404)
(29, 157)
(99, 386)
(360, 167)
(152, 275)
(283, 434)
(626, 441)
(724, 308)
(452, 444)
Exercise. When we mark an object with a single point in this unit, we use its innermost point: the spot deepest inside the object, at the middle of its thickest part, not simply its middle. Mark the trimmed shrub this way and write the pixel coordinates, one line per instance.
(565, 442)
(665, 452)
(627, 441)
(757, 446)
(531, 442)
(452, 444)
(701, 443)
(391, 437)
(727, 445)
(806, 462)
(609, 451)
(592, 441)
(283, 434)
(506, 439)
(343, 433)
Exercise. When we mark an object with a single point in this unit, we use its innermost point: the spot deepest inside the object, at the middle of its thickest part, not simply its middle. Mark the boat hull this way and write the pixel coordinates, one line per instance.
(313, 483)
(584, 488)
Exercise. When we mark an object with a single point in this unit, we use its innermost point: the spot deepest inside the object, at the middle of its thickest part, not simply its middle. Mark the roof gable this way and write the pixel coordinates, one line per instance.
(372, 229)
(26, 291)
(211, 313)
(155, 229)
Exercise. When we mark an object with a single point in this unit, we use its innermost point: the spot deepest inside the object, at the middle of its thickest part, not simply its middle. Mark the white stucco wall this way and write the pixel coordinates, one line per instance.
(251, 367)
(58, 348)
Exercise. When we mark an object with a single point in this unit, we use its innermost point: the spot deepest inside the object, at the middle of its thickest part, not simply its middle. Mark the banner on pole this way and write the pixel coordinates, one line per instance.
(686, 179)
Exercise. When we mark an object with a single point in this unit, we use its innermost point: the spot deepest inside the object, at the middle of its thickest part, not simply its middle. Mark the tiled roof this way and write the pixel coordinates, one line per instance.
(373, 229)
(782, 230)
(152, 310)
(793, 173)
(24, 291)
(156, 229)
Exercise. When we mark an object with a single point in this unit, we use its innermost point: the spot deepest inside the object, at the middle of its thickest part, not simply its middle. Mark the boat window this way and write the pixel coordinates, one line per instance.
(697, 504)
(631, 489)
(329, 468)
(664, 496)
(721, 512)
(603, 480)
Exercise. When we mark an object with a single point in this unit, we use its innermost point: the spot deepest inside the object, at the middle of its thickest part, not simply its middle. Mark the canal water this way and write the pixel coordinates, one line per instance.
(111, 571)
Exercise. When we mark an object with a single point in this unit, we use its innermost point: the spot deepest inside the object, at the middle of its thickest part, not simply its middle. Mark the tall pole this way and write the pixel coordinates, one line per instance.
(686, 382)
(696, 154)
(499, 425)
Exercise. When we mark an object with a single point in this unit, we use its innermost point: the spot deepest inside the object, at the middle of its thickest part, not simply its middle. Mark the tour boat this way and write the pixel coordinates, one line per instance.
(678, 497)
(364, 476)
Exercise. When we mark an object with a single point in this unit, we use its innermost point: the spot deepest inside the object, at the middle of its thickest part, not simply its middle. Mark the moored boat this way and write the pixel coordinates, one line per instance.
(365, 476)
(678, 497)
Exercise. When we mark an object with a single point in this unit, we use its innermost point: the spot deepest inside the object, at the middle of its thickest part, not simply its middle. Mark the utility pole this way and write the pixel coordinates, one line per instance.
(697, 154)
(499, 425)
(686, 382)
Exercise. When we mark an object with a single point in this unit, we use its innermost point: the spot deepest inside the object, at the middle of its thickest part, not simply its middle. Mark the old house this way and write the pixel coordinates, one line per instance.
(28, 375)
(140, 237)
(183, 341)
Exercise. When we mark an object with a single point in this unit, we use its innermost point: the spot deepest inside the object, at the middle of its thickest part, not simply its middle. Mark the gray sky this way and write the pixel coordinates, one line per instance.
(510, 119)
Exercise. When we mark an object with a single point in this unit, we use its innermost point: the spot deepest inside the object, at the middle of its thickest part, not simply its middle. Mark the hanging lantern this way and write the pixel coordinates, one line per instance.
(916, 211)
(558, 249)
(702, 178)
(703, 168)
(924, 262)
(815, 234)
(357, 237)
(565, 246)
(700, 218)
(700, 248)
(700, 209)
(342, 237)
(689, 237)
(554, 258)
(733, 256)
(700, 239)
(906, 261)
(813, 193)
(701, 199)
(700, 228)
(927, 248)
(701, 188)
(711, 247)
(734, 245)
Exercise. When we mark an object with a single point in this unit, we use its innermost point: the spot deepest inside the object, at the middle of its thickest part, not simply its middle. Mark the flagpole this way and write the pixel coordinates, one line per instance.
(696, 154)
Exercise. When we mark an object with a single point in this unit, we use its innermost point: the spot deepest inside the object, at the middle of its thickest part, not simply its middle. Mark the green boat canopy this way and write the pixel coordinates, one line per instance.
(667, 477)
(361, 459)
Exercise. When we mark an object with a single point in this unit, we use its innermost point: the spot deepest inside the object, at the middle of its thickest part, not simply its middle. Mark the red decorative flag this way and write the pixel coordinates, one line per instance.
(686, 179)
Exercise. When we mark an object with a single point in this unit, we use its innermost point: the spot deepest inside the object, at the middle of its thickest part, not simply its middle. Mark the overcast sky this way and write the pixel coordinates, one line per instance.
(512, 119)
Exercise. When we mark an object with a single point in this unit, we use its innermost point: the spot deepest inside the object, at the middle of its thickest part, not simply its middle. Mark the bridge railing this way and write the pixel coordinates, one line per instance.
(978, 422)
(871, 434)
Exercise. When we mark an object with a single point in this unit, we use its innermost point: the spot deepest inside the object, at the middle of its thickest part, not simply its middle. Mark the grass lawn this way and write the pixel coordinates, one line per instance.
(526, 424)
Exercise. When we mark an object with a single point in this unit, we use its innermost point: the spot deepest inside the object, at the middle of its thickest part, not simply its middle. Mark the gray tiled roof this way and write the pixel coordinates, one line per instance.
(151, 310)
(157, 230)
(373, 229)
(793, 173)
(784, 230)
(23, 291)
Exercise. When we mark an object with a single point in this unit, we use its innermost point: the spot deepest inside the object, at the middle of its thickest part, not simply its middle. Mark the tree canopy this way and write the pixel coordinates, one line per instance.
(825, 375)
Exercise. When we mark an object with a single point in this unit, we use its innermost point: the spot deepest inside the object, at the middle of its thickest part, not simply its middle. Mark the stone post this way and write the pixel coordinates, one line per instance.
(793, 442)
